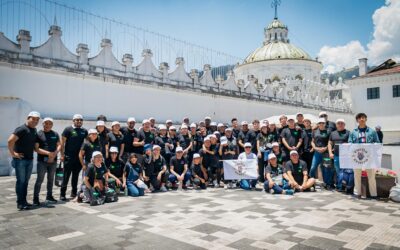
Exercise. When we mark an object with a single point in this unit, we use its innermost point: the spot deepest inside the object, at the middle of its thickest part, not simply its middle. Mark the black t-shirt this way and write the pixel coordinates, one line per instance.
(184, 141)
(147, 137)
(297, 170)
(75, 137)
(321, 138)
(280, 157)
(235, 132)
(89, 147)
(159, 164)
(47, 141)
(209, 160)
(307, 138)
(115, 140)
(274, 171)
(337, 138)
(174, 141)
(199, 142)
(292, 136)
(95, 173)
(263, 140)
(178, 164)
(116, 168)
(273, 136)
(26, 141)
(103, 140)
(128, 139)
(330, 126)
(252, 138)
(161, 141)
(196, 170)
(231, 146)
(281, 129)
(301, 125)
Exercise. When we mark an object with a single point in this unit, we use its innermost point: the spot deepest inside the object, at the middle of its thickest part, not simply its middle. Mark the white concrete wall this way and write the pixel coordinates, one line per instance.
(384, 111)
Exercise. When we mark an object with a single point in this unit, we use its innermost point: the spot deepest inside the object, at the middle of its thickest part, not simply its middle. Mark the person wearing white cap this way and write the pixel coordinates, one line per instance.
(89, 145)
(71, 142)
(116, 139)
(174, 139)
(331, 126)
(47, 146)
(292, 138)
(102, 132)
(209, 159)
(243, 135)
(144, 136)
(263, 148)
(274, 181)
(228, 150)
(199, 173)
(168, 123)
(308, 151)
(364, 134)
(95, 177)
(179, 173)
(296, 174)
(164, 142)
(221, 129)
(213, 127)
(129, 133)
(186, 121)
(252, 136)
(280, 154)
(132, 179)
(207, 124)
(319, 143)
(157, 176)
(152, 121)
(273, 135)
(247, 155)
(115, 167)
(185, 141)
(337, 137)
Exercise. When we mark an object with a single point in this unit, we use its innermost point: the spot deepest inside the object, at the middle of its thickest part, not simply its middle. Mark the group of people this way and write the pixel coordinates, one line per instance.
(151, 158)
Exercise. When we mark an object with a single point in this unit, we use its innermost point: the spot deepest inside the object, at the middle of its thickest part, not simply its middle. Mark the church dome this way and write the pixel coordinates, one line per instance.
(276, 24)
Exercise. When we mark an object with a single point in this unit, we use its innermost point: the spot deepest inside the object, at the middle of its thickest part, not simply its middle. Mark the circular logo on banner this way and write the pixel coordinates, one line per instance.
(360, 156)
(239, 170)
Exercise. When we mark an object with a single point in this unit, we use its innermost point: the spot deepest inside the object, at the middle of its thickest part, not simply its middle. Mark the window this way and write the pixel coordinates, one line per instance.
(396, 90)
(373, 93)
(335, 93)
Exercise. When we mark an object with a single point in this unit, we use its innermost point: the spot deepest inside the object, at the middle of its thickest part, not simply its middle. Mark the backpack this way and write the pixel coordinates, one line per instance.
(97, 198)
(395, 193)
(111, 196)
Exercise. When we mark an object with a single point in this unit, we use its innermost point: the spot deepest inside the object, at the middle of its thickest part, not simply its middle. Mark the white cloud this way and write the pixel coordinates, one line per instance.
(384, 45)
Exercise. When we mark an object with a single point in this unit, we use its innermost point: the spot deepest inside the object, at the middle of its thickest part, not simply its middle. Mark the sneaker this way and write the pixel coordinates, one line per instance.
(22, 207)
(163, 189)
(51, 199)
(63, 198)
(184, 187)
(230, 185)
(289, 192)
(73, 196)
(36, 201)
(215, 182)
(28, 204)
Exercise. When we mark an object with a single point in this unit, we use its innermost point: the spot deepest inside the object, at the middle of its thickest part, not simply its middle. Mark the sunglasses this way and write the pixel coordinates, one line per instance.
(78, 120)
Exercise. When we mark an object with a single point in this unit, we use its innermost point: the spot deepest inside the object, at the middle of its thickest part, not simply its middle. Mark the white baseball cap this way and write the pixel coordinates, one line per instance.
(275, 144)
(179, 149)
(263, 125)
(193, 125)
(228, 129)
(172, 128)
(168, 121)
(213, 136)
(184, 126)
(294, 152)
(115, 123)
(207, 138)
(113, 150)
(321, 120)
(196, 156)
(322, 113)
(96, 153)
(100, 123)
(34, 114)
(156, 146)
(220, 125)
(92, 131)
(151, 118)
(244, 123)
(162, 126)
(213, 124)
(247, 144)
(48, 119)
(131, 119)
(340, 120)
(299, 113)
(271, 156)
(77, 116)
(207, 118)
(145, 121)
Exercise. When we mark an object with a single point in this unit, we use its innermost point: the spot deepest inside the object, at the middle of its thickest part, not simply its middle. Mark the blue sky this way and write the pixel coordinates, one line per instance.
(236, 26)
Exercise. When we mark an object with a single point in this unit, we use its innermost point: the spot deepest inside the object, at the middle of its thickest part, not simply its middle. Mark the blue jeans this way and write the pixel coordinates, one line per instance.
(247, 184)
(172, 178)
(339, 172)
(133, 190)
(317, 159)
(277, 189)
(23, 171)
(327, 174)
(348, 177)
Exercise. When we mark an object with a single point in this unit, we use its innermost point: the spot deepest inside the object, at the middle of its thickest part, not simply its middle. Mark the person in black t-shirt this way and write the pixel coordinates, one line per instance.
(179, 170)
(158, 177)
(330, 126)
(71, 142)
(90, 145)
(174, 139)
(235, 127)
(283, 123)
(242, 136)
(129, 133)
(291, 138)
(308, 151)
(280, 155)
(102, 135)
(133, 177)
(115, 167)
(199, 173)
(96, 176)
(164, 142)
(21, 144)
(47, 146)
(116, 138)
(263, 149)
(296, 173)
(274, 177)
(321, 155)
(300, 120)
(144, 136)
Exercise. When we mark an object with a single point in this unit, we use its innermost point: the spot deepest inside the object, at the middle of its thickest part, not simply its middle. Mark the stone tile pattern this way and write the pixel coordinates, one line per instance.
(208, 219)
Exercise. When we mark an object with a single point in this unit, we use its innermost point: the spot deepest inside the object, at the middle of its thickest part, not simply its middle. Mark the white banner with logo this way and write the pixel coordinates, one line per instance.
(363, 155)
(240, 169)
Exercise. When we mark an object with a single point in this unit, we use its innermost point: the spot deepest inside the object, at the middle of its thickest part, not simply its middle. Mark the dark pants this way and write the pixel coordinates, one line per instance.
(156, 183)
(73, 167)
(261, 164)
(23, 171)
(307, 157)
(42, 169)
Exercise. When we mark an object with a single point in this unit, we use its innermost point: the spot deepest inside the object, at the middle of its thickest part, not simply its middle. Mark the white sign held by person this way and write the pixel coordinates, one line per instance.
(240, 169)
(363, 155)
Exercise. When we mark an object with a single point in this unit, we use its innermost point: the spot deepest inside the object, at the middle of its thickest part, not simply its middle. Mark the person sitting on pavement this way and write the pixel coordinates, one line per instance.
(274, 181)
(179, 170)
(133, 178)
(247, 184)
(297, 175)
(115, 167)
(199, 173)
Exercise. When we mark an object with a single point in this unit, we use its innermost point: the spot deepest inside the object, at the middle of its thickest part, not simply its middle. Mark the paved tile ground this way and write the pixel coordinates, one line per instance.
(211, 219)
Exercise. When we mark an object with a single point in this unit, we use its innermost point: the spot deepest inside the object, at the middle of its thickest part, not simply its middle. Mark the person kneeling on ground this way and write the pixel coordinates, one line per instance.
(158, 178)
(179, 170)
(199, 173)
(115, 167)
(273, 177)
(296, 173)
(96, 175)
(248, 155)
(133, 178)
